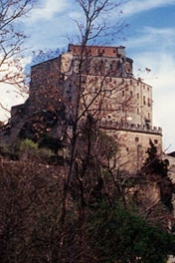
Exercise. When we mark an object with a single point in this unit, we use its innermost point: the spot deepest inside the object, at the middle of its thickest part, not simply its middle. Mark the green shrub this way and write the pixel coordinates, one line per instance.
(28, 144)
(29, 150)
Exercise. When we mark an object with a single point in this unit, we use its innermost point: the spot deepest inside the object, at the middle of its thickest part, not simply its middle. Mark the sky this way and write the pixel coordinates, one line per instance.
(149, 40)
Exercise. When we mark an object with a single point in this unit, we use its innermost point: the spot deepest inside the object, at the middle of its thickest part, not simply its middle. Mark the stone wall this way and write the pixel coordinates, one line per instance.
(133, 143)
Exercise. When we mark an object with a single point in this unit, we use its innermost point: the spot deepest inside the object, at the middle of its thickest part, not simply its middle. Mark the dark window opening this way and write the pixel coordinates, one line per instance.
(136, 139)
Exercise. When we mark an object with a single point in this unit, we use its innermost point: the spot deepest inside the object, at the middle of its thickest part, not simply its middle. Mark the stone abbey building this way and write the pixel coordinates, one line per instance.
(100, 79)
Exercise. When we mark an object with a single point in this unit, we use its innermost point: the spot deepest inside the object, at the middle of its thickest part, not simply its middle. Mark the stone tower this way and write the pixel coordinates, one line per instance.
(122, 104)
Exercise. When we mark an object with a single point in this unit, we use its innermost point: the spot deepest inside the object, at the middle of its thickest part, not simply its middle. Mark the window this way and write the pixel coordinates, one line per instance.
(144, 101)
(123, 93)
(137, 111)
(136, 139)
(137, 95)
(156, 141)
(131, 94)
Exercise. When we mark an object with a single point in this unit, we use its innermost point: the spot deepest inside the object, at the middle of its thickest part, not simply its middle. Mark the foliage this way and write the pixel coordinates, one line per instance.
(30, 196)
(10, 152)
(42, 128)
(28, 145)
(153, 163)
(104, 231)
(51, 143)
(121, 235)
(157, 170)
(29, 150)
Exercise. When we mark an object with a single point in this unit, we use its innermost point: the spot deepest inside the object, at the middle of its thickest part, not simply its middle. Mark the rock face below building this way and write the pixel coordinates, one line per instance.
(99, 79)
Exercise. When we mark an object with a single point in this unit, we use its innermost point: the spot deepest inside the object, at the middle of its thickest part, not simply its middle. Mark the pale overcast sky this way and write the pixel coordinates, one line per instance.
(149, 41)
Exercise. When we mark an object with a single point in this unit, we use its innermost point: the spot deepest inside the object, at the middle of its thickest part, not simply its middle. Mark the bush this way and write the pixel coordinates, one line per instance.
(29, 151)
(28, 144)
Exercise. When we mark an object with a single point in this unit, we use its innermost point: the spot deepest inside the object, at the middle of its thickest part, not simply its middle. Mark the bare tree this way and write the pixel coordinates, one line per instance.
(91, 29)
(11, 40)
(96, 23)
